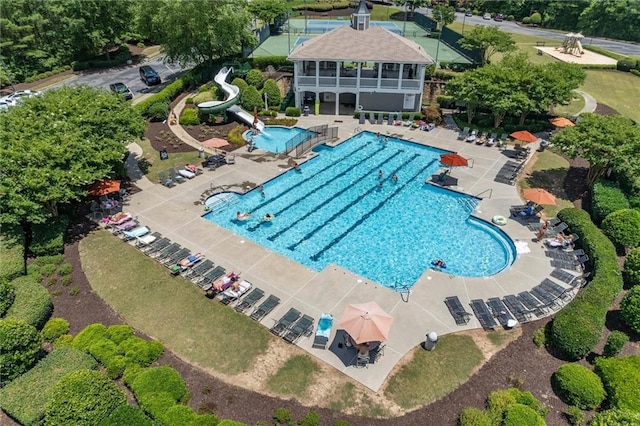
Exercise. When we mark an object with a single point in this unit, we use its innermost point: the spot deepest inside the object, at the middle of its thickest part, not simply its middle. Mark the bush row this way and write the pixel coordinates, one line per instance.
(32, 302)
(11, 249)
(606, 198)
(47, 74)
(507, 407)
(48, 237)
(631, 271)
(577, 328)
(20, 348)
(119, 57)
(325, 6)
(603, 52)
(623, 229)
(24, 399)
(577, 385)
(621, 379)
(275, 61)
(615, 418)
(154, 105)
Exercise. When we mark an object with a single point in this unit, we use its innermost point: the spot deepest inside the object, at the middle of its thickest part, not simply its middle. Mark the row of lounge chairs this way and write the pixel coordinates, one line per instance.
(483, 138)
(509, 172)
(292, 325)
(393, 119)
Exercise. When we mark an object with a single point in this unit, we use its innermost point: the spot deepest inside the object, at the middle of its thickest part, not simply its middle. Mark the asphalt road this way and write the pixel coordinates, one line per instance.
(127, 74)
(623, 48)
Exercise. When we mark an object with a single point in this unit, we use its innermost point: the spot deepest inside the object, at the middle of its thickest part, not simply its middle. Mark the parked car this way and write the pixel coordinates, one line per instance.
(121, 89)
(499, 17)
(16, 97)
(486, 16)
(149, 75)
(468, 13)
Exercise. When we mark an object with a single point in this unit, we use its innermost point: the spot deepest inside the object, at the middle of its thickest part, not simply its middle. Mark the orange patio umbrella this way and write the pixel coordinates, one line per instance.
(104, 187)
(366, 322)
(561, 122)
(539, 196)
(453, 160)
(215, 143)
(524, 135)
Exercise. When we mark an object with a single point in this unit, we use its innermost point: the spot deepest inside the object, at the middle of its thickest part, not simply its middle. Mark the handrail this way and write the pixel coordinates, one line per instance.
(490, 193)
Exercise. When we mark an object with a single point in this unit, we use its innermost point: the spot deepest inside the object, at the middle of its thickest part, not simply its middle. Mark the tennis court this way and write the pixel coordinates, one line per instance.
(319, 26)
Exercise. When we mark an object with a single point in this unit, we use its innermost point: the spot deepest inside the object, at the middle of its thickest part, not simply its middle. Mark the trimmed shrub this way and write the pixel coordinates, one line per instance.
(474, 417)
(615, 418)
(166, 95)
(240, 83)
(275, 61)
(273, 92)
(140, 351)
(536, 18)
(189, 117)
(127, 415)
(251, 99)
(48, 237)
(623, 228)
(631, 273)
(54, 328)
(32, 302)
(621, 379)
(577, 328)
(499, 400)
(104, 349)
(65, 341)
(626, 64)
(20, 348)
(519, 414)
(574, 416)
(7, 296)
(310, 419)
(526, 20)
(65, 269)
(205, 96)
(630, 309)
(292, 112)
(255, 78)
(235, 136)
(178, 415)
(158, 111)
(227, 422)
(83, 397)
(446, 101)
(155, 403)
(606, 198)
(11, 258)
(119, 332)
(89, 335)
(281, 415)
(579, 386)
(24, 399)
(115, 366)
(615, 343)
(160, 379)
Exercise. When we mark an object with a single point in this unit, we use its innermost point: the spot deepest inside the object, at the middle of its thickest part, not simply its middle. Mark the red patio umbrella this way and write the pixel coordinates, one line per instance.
(561, 122)
(525, 136)
(453, 160)
(104, 187)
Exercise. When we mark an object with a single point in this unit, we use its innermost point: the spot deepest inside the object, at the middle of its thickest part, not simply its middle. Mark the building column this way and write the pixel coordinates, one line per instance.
(358, 69)
(337, 109)
(400, 76)
(338, 66)
(379, 84)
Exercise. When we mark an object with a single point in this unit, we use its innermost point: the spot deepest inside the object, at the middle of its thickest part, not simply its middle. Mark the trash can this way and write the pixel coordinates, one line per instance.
(430, 342)
(543, 145)
(201, 152)
(305, 110)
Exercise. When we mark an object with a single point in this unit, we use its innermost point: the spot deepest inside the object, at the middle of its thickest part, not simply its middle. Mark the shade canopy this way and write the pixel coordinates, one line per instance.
(104, 187)
(561, 122)
(453, 160)
(539, 196)
(215, 143)
(366, 322)
(524, 135)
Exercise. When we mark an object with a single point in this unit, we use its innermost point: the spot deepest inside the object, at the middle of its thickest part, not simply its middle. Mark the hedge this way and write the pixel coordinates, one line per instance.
(621, 379)
(20, 348)
(615, 418)
(630, 309)
(127, 415)
(166, 95)
(189, 117)
(474, 417)
(577, 328)
(615, 343)
(631, 273)
(577, 385)
(606, 198)
(160, 379)
(623, 228)
(275, 61)
(604, 52)
(32, 303)
(48, 237)
(83, 397)
(24, 399)
(518, 415)
(7, 296)
(11, 258)
(292, 112)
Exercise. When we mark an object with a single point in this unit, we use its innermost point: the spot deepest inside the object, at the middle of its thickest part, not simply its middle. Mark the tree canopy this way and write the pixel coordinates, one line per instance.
(443, 15)
(489, 40)
(604, 141)
(268, 10)
(55, 145)
(196, 30)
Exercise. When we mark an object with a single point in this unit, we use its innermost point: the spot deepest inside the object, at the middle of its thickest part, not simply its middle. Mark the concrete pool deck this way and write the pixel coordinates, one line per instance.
(176, 213)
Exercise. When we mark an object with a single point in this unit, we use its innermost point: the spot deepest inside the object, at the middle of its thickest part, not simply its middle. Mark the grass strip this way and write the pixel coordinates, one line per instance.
(294, 376)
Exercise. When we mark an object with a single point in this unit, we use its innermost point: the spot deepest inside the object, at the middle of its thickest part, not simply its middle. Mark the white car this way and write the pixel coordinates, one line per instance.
(15, 98)
(486, 16)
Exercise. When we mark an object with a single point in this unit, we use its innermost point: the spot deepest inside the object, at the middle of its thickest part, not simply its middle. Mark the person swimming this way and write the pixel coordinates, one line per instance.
(268, 217)
(242, 215)
(438, 264)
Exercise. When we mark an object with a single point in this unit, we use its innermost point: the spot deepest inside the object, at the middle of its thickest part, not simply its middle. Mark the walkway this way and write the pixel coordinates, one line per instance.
(590, 103)
(176, 214)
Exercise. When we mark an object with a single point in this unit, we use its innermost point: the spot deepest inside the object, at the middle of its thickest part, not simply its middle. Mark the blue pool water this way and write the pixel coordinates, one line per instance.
(274, 138)
(334, 211)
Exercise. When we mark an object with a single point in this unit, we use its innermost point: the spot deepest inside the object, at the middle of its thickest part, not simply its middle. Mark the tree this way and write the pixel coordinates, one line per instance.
(412, 5)
(611, 18)
(54, 146)
(604, 141)
(563, 15)
(268, 10)
(251, 99)
(490, 40)
(272, 91)
(20, 348)
(197, 30)
(443, 15)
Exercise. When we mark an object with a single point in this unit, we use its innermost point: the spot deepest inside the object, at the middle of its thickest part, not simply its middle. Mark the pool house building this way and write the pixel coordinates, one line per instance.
(359, 67)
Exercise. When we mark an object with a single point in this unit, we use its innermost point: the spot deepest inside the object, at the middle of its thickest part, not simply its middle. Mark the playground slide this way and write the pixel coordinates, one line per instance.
(229, 104)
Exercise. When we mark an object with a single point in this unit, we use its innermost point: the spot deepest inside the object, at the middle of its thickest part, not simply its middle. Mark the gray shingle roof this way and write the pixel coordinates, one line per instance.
(373, 44)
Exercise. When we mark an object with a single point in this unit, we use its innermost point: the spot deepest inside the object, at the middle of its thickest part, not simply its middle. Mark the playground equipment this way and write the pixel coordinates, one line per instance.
(572, 45)
(229, 104)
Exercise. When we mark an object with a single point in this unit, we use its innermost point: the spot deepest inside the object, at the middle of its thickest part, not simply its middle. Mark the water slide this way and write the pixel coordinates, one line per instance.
(229, 104)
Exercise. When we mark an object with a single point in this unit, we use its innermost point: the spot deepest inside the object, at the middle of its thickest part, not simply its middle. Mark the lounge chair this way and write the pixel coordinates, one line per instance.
(116, 219)
(155, 246)
(481, 139)
(500, 311)
(535, 227)
(175, 176)
(372, 117)
(390, 119)
(483, 314)
(167, 251)
(199, 270)
(567, 256)
(230, 295)
(230, 159)
(186, 173)
(503, 138)
(145, 240)
(556, 289)
(572, 265)
(472, 137)
(531, 303)
(285, 322)
(205, 282)
(516, 307)
(463, 134)
(265, 308)
(362, 119)
(457, 311)
(302, 327)
(409, 121)
(492, 139)
(250, 300)
(135, 233)
(174, 258)
(195, 169)
(323, 332)
(165, 180)
(186, 263)
(542, 294)
(569, 278)
(380, 119)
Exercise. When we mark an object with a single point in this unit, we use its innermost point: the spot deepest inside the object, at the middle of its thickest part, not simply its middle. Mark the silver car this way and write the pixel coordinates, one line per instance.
(16, 97)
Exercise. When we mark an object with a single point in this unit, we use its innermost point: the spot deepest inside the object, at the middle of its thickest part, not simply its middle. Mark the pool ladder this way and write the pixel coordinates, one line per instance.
(223, 201)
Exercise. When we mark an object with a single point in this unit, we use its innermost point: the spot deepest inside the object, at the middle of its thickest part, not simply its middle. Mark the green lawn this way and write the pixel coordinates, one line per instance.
(619, 90)
(433, 374)
(549, 172)
(170, 309)
(573, 108)
(294, 377)
(151, 163)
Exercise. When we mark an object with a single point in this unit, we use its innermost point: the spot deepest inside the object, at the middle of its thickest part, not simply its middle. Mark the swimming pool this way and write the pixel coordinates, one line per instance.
(337, 209)
(274, 138)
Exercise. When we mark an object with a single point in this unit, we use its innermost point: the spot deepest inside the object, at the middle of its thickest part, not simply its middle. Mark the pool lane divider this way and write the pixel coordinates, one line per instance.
(324, 169)
(337, 194)
(359, 222)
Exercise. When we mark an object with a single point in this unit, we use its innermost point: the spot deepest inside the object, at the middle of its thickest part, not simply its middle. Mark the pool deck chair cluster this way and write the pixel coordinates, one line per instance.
(302, 327)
